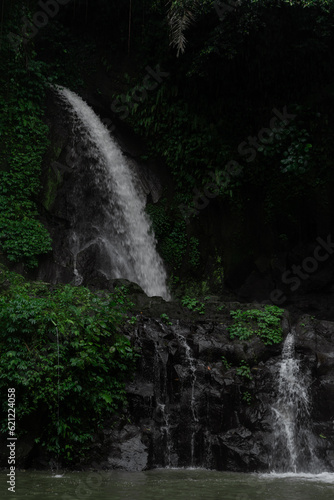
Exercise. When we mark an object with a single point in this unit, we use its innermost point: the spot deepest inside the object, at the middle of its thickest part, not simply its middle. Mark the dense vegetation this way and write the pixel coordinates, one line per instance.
(265, 323)
(223, 68)
(62, 351)
(242, 117)
(238, 116)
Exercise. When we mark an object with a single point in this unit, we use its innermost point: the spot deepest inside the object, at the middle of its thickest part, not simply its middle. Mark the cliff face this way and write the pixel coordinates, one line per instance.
(76, 204)
(292, 270)
(186, 405)
(188, 408)
(200, 399)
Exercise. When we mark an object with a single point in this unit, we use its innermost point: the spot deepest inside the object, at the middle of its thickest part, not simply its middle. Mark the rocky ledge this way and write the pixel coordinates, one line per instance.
(191, 405)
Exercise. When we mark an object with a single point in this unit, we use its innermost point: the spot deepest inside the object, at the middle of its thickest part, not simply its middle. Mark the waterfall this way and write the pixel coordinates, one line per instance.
(294, 443)
(166, 429)
(115, 225)
(192, 370)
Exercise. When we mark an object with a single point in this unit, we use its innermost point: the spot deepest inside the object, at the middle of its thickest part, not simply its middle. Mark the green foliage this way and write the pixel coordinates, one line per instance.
(24, 79)
(265, 323)
(23, 143)
(244, 370)
(226, 364)
(291, 142)
(193, 252)
(193, 304)
(175, 246)
(218, 273)
(247, 397)
(63, 352)
(165, 319)
(194, 289)
(133, 320)
(183, 13)
(174, 130)
(161, 221)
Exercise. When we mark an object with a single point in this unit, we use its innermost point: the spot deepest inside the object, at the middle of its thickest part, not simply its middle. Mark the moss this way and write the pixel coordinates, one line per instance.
(53, 181)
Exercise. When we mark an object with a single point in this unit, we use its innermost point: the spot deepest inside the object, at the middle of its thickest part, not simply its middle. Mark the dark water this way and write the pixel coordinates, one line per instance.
(169, 484)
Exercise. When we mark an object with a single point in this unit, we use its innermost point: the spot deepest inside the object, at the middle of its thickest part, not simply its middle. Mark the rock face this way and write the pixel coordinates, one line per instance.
(188, 408)
(75, 207)
(189, 403)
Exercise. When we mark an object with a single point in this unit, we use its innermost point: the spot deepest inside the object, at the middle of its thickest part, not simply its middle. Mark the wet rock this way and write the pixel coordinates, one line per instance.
(193, 410)
(128, 452)
(186, 407)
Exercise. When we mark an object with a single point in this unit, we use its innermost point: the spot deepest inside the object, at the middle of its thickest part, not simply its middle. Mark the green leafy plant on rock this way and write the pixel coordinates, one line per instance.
(193, 304)
(247, 397)
(265, 323)
(226, 364)
(244, 370)
(165, 319)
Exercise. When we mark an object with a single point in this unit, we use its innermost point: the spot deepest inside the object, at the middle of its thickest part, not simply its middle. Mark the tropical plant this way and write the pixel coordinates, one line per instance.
(244, 370)
(63, 351)
(265, 323)
(181, 15)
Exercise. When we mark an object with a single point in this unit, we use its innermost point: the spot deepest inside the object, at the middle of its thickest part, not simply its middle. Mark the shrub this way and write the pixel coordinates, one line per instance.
(63, 352)
(266, 323)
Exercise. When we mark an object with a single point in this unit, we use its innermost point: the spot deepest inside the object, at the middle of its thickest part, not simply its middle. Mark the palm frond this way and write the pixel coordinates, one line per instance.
(180, 17)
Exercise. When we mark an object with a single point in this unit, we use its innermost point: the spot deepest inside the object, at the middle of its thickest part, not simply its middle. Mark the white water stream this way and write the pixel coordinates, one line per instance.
(294, 443)
(123, 234)
(192, 369)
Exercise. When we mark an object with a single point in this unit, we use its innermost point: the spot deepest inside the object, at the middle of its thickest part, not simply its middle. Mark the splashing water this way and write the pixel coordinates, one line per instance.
(294, 443)
(118, 227)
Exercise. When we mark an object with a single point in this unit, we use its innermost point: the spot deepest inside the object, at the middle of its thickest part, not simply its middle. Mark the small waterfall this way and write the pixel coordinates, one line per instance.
(166, 429)
(75, 248)
(192, 368)
(294, 443)
(164, 452)
(109, 215)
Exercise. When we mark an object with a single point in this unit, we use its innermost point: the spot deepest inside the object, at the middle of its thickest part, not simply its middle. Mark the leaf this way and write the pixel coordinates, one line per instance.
(179, 20)
(106, 396)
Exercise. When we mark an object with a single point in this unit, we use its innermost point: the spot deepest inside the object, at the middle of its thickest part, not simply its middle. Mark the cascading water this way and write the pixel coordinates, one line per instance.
(116, 225)
(166, 430)
(294, 443)
(192, 369)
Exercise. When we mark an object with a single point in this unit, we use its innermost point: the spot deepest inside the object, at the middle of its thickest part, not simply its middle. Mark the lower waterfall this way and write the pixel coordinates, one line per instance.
(109, 213)
(294, 442)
